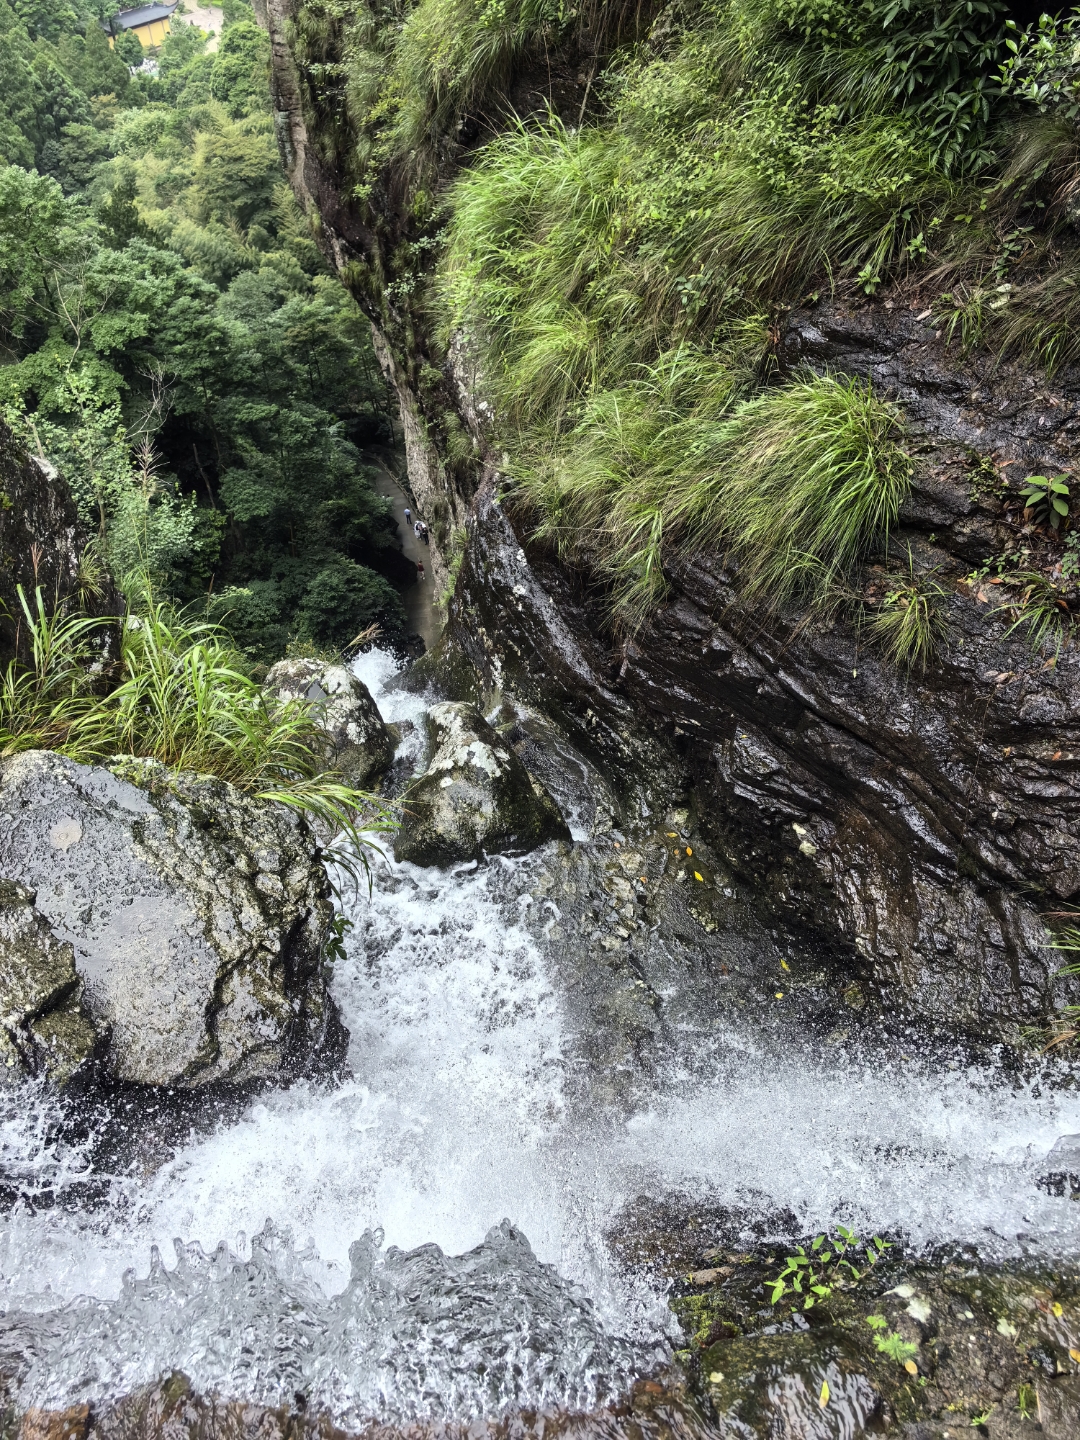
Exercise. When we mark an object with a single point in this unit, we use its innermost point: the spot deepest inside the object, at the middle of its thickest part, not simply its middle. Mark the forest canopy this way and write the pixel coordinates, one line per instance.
(171, 338)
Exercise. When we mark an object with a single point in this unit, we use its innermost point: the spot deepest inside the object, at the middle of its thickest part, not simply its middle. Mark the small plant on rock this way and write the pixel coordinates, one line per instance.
(830, 1262)
(1040, 607)
(1047, 498)
(910, 623)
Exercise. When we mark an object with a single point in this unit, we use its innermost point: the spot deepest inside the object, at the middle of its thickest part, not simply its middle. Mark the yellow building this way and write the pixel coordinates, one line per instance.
(151, 23)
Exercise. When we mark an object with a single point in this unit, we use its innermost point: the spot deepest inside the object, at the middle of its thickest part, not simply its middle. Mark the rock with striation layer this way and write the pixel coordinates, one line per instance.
(196, 915)
(475, 796)
(42, 1026)
(357, 742)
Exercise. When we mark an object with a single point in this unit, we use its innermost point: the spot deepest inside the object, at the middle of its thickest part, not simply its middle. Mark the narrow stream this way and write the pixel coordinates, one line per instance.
(472, 1101)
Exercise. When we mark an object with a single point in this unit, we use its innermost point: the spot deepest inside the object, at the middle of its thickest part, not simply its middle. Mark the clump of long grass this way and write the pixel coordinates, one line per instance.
(452, 58)
(183, 696)
(1039, 608)
(794, 485)
(910, 625)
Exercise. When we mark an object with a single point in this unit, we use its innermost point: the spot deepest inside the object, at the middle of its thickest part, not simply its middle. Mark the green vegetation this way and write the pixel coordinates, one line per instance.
(910, 622)
(173, 341)
(813, 1274)
(180, 694)
(1047, 498)
(619, 258)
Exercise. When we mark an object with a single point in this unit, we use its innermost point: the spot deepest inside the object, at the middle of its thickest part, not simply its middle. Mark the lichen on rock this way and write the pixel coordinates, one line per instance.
(196, 914)
(475, 797)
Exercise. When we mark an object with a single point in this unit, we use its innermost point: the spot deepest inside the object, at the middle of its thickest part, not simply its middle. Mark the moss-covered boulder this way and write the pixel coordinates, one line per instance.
(475, 797)
(196, 916)
(357, 742)
(42, 1026)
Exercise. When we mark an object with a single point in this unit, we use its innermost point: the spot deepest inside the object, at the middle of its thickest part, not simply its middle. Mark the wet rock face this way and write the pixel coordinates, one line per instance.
(919, 1348)
(358, 744)
(475, 796)
(44, 1030)
(41, 544)
(915, 828)
(195, 914)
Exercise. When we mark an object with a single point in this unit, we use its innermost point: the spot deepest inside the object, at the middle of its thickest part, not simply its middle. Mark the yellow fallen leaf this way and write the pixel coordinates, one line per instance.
(1075, 1355)
(672, 834)
(911, 1367)
(779, 994)
(784, 965)
(699, 877)
(715, 1377)
(823, 1398)
(1056, 1308)
(688, 850)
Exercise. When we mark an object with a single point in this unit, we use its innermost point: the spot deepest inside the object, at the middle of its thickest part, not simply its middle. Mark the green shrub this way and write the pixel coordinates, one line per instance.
(343, 599)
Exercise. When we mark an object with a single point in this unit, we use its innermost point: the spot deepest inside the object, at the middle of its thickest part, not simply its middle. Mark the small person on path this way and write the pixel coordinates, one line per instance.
(408, 515)
(418, 529)
(419, 570)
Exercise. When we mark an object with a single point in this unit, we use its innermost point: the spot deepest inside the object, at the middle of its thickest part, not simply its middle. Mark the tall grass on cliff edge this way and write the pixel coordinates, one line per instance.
(184, 697)
(794, 485)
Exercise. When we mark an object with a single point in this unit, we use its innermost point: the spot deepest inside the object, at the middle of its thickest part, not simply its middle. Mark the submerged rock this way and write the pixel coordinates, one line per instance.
(44, 1030)
(196, 917)
(475, 796)
(358, 743)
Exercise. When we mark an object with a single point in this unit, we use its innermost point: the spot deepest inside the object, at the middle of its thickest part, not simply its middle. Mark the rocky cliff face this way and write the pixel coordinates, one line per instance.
(41, 545)
(920, 828)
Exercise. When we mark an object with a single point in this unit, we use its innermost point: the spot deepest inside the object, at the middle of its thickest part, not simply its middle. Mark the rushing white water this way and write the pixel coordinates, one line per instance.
(467, 1104)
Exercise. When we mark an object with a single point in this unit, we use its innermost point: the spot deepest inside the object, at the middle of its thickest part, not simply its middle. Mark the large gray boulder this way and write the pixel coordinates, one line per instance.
(42, 1027)
(196, 915)
(475, 796)
(357, 742)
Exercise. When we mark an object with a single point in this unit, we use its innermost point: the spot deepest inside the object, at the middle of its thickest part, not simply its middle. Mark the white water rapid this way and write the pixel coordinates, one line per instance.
(468, 1103)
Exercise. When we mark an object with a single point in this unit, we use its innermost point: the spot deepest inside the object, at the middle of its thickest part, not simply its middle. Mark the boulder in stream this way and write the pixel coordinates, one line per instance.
(475, 796)
(357, 742)
(195, 917)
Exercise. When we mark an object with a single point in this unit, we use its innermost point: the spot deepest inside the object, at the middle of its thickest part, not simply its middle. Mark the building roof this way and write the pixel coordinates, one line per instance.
(142, 15)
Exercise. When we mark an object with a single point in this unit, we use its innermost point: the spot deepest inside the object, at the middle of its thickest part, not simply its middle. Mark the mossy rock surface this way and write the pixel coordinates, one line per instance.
(44, 1030)
(475, 797)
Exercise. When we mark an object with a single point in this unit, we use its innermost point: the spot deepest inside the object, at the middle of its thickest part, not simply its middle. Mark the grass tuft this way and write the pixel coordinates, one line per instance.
(184, 697)
(794, 485)
(910, 626)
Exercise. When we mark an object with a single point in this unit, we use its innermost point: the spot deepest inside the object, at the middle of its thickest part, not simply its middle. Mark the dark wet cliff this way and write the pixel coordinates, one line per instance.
(922, 827)
(42, 546)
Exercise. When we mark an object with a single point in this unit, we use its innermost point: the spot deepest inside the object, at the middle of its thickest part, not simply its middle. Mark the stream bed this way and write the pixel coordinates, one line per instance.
(550, 1057)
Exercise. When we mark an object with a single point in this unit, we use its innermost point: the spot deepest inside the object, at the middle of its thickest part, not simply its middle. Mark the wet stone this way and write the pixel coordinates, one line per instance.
(44, 1028)
(476, 797)
(356, 743)
(188, 918)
